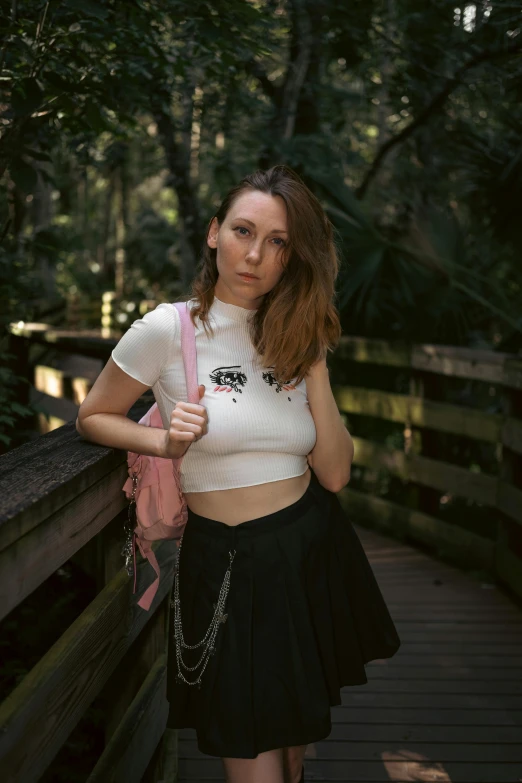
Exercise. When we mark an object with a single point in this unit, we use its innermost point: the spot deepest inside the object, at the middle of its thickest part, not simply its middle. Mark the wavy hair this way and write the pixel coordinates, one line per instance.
(297, 322)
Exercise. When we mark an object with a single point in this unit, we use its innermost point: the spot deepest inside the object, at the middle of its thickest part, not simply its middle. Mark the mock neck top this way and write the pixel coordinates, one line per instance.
(226, 310)
(258, 430)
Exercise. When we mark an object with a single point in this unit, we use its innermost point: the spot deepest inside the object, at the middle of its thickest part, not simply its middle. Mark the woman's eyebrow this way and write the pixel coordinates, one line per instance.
(250, 223)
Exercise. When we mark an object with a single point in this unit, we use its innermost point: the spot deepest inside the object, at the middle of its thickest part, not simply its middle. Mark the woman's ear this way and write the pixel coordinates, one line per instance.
(213, 230)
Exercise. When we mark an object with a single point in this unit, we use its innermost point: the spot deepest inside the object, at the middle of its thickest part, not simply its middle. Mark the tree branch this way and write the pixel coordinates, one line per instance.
(433, 106)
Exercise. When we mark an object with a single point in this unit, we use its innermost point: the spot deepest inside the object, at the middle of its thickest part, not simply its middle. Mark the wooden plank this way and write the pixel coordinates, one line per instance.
(460, 362)
(511, 434)
(434, 751)
(465, 685)
(88, 342)
(60, 384)
(373, 351)
(513, 372)
(468, 649)
(366, 749)
(440, 416)
(49, 380)
(441, 660)
(429, 472)
(432, 611)
(427, 717)
(390, 767)
(509, 500)
(63, 409)
(448, 360)
(35, 556)
(422, 670)
(448, 701)
(471, 636)
(41, 477)
(393, 767)
(509, 569)
(388, 516)
(127, 753)
(413, 732)
(38, 716)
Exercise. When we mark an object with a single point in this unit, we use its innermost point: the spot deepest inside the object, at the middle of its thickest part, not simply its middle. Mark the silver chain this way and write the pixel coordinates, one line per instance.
(127, 550)
(209, 638)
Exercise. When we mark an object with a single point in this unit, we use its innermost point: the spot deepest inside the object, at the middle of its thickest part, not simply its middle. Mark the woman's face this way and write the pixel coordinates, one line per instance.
(250, 239)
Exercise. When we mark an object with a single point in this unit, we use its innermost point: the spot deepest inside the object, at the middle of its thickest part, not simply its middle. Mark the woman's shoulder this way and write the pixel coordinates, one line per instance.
(163, 318)
(155, 330)
(163, 322)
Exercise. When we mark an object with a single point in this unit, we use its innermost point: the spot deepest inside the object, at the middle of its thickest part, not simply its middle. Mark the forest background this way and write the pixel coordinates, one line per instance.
(123, 124)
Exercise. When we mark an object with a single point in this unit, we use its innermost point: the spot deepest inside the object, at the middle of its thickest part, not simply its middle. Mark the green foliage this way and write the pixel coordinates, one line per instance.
(15, 284)
(124, 123)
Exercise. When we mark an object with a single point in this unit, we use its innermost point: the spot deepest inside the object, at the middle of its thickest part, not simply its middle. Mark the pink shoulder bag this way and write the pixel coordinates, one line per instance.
(157, 505)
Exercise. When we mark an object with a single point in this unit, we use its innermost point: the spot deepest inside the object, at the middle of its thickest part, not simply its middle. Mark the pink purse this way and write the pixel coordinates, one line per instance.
(157, 505)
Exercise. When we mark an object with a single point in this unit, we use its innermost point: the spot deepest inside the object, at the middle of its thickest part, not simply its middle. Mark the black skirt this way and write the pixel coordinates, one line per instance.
(304, 615)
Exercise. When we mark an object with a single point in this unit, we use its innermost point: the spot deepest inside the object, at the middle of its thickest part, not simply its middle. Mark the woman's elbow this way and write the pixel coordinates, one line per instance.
(81, 427)
(336, 484)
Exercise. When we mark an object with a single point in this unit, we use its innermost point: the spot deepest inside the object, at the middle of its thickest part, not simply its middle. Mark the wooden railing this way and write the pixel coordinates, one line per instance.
(57, 388)
(62, 499)
(426, 418)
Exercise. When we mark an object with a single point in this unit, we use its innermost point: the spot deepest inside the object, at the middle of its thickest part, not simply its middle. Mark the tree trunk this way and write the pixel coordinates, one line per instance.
(41, 214)
(178, 162)
(102, 255)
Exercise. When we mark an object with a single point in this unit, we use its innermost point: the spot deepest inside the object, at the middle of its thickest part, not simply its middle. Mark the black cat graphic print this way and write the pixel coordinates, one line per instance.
(228, 378)
(269, 378)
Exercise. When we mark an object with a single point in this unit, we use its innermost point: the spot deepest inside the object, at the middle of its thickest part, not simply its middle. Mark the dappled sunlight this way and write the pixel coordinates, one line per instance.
(406, 765)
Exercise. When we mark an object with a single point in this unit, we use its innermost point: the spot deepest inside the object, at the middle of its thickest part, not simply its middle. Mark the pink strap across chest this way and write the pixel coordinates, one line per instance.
(188, 350)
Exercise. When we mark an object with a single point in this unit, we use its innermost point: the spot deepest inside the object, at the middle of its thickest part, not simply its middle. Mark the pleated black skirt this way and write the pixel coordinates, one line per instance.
(304, 615)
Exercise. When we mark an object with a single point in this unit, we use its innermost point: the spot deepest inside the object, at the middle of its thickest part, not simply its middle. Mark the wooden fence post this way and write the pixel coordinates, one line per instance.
(508, 551)
(20, 364)
(413, 439)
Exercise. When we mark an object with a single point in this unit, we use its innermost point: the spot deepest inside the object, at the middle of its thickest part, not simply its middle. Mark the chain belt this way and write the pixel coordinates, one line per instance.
(218, 618)
(209, 638)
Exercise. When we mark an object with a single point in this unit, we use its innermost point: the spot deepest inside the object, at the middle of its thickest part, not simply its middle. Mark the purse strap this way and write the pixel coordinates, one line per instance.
(188, 351)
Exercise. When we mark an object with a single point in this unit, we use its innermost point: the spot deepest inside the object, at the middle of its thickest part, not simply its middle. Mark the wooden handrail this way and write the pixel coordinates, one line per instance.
(448, 360)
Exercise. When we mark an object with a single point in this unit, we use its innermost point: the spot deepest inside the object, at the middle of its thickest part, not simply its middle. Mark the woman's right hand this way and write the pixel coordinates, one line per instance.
(188, 422)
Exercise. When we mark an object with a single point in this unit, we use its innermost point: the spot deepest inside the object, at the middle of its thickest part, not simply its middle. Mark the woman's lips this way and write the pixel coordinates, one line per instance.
(247, 277)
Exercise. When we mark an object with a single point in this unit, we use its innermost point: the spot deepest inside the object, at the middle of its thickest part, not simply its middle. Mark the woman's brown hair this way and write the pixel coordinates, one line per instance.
(297, 322)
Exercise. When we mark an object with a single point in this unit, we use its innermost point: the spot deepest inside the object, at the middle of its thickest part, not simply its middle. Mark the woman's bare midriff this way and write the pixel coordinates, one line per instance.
(233, 506)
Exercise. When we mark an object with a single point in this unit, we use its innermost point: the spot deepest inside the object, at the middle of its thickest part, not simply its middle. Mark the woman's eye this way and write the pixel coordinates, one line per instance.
(279, 242)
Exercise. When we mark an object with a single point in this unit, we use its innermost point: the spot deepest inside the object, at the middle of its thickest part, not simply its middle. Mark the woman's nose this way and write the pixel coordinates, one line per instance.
(254, 252)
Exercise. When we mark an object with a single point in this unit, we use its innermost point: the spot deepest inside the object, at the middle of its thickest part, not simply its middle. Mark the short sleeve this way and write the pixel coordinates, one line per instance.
(149, 344)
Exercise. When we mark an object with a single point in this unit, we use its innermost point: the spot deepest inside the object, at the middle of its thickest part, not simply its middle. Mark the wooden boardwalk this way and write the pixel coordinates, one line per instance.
(446, 708)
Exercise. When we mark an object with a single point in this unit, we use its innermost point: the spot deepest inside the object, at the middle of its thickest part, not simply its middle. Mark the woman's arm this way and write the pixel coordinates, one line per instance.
(333, 452)
(102, 418)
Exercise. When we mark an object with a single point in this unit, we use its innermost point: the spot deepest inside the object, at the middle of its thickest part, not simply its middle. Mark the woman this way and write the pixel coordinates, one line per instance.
(267, 548)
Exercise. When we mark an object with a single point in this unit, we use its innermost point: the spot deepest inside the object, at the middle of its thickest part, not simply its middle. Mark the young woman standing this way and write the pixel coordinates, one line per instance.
(275, 606)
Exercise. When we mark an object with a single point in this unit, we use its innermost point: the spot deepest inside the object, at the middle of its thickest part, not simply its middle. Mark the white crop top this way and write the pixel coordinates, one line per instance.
(258, 431)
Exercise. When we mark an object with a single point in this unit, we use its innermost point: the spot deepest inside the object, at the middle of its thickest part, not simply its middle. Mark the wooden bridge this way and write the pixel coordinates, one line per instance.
(447, 707)
(436, 499)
